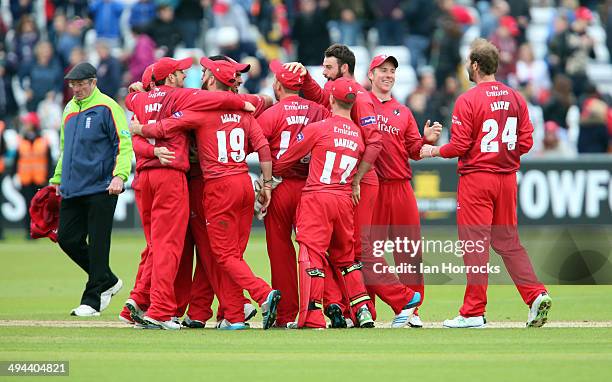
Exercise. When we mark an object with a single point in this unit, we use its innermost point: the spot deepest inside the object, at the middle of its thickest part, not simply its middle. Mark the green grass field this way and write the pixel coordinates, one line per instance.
(38, 282)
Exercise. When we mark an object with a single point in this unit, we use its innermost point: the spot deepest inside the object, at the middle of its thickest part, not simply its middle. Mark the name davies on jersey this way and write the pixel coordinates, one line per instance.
(297, 120)
(225, 118)
(152, 107)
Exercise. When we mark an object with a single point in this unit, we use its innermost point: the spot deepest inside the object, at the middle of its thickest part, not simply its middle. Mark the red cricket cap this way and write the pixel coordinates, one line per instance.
(344, 89)
(224, 71)
(44, 213)
(584, 13)
(380, 59)
(166, 66)
(510, 23)
(286, 77)
(146, 77)
(32, 118)
(242, 68)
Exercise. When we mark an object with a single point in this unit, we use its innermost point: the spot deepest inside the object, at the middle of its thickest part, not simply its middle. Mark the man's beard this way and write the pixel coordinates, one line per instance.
(470, 75)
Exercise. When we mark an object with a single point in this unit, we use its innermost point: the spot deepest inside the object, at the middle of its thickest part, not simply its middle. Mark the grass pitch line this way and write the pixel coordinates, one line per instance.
(257, 325)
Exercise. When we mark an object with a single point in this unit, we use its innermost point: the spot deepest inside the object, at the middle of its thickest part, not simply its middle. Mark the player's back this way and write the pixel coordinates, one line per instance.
(334, 156)
(284, 121)
(224, 139)
(153, 106)
(496, 119)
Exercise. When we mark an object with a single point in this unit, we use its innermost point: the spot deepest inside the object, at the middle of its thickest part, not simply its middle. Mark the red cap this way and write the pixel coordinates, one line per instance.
(242, 68)
(32, 118)
(166, 66)
(551, 126)
(344, 90)
(584, 13)
(287, 78)
(44, 213)
(224, 71)
(146, 77)
(510, 23)
(380, 59)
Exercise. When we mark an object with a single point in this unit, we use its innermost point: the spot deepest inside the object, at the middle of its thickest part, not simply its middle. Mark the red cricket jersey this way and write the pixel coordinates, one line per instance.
(223, 138)
(362, 114)
(283, 122)
(160, 103)
(490, 130)
(401, 139)
(336, 146)
(258, 101)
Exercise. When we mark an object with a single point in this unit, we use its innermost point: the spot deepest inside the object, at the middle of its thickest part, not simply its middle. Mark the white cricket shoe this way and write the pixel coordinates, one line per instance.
(165, 325)
(538, 312)
(223, 324)
(415, 321)
(249, 312)
(466, 322)
(84, 311)
(350, 323)
(401, 319)
(105, 297)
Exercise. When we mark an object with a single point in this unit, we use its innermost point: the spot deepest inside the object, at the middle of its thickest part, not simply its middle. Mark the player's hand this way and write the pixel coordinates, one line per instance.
(248, 107)
(296, 67)
(136, 87)
(135, 126)
(57, 187)
(116, 186)
(429, 151)
(356, 195)
(164, 155)
(265, 196)
(432, 133)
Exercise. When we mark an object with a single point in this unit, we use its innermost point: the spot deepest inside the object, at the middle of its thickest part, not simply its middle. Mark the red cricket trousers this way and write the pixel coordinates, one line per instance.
(395, 216)
(195, 289)
(165, 205)
(325, 221)
(486, 210)
(142, 284)
(279, 222)
(228, 207)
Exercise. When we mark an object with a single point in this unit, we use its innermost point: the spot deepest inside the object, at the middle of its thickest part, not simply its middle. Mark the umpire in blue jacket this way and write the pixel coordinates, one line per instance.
(95, 162)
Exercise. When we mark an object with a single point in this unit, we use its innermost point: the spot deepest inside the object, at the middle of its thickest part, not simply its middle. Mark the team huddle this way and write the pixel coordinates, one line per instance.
(335, 170)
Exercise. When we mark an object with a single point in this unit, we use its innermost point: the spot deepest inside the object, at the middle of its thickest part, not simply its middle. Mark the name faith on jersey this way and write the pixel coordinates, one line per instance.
(500, 105)
(347, 143)
(225, 118)
(297, 120)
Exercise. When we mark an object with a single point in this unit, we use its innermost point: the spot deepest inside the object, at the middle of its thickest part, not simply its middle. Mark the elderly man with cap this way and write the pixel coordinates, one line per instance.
(223, 138)
(396, 213)
(325, 221)
(281, 124)
(95, 162)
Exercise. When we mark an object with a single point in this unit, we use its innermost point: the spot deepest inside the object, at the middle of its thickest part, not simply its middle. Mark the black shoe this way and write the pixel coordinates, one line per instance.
(334, 313)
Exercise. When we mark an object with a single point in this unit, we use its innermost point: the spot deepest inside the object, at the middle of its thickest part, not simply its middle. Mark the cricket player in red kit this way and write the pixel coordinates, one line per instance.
(325, 214)
(223, 138)
(281, 124)
(396, 214)
(339, 62)
(163, 188)
(206, 269)
(490, 131)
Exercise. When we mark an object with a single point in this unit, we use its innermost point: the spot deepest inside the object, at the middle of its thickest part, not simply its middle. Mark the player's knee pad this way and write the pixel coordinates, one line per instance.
(351, 268)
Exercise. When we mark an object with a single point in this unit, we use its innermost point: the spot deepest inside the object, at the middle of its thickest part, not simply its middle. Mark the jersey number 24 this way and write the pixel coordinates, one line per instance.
(490, 126)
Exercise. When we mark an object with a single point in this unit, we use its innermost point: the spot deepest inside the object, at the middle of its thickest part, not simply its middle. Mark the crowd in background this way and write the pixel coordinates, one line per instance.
(40, 40)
